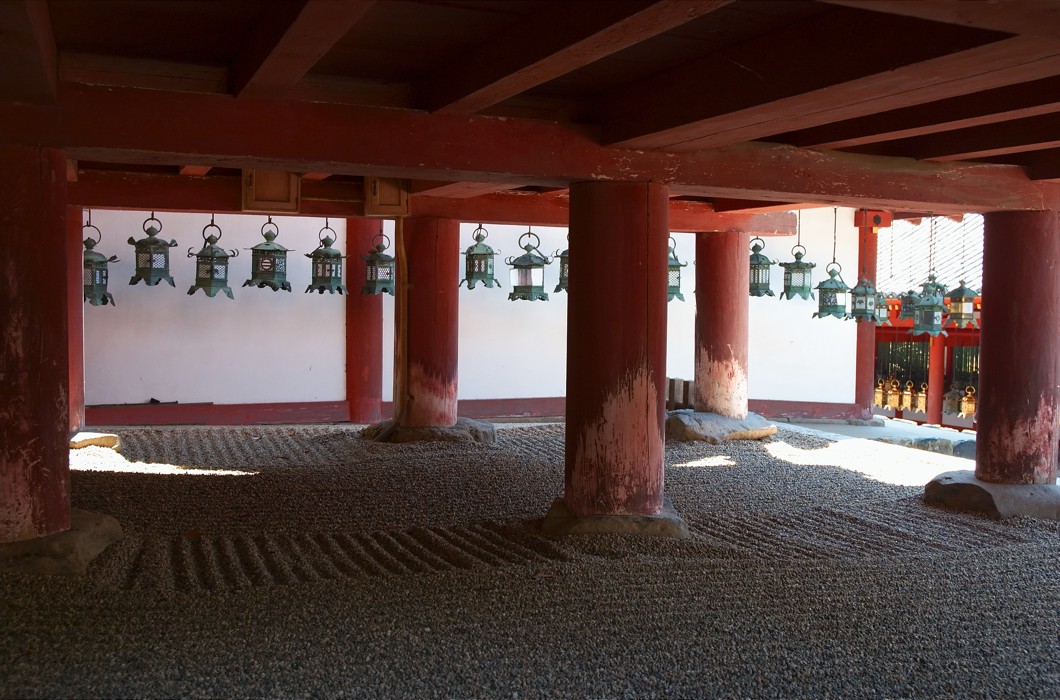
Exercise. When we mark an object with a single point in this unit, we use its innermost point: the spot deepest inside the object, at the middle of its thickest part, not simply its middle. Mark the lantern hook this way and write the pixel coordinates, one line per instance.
(798, 246)
(382, 245)
(531, 246)
(208, 226)
(834, 266)
(149, 220)
(99, 236)
(480, 234)
(275, 229)
(327, 227)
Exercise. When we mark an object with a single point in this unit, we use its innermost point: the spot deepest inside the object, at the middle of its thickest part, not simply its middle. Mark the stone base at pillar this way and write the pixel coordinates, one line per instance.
(67, 552)
(561, 521)
(687, 425)
(465, 430)
(86, 438)
(962, 491)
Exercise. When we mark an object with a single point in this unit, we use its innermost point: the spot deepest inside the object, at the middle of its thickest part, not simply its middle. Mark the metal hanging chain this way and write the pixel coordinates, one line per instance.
(931, 246)
(835, 223)
(798, 227)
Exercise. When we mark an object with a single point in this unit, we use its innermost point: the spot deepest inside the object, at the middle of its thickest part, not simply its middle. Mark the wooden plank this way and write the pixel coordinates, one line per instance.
(27, 52)
(1039, 18)
(1041, 165)
(315, 176)
(194, 170)
(155, 127)
(288, 41)
(458, 190)
(119, 71)
(558, 39)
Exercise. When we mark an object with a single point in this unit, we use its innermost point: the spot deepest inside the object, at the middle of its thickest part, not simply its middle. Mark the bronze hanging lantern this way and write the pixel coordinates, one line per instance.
(962, 307)
(564, 262)
(905, 403)
(528, 271)
(478, 263)
(379, 277)
(152, 255)
(879, 394)
(673, 273)
(832, 299)
(968, 403)
(760, 268)
(268, 261)
(326, 264)
(951, 401)
(907, 310)
(883, 310)
(863, 302)
(894, 395)
(798, 276)
(95, 272)
(929, 309)
(921, 399)
(211, 264)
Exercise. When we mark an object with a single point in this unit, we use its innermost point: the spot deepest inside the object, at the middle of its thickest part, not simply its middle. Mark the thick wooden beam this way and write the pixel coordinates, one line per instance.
(1002, 104)
(1038, 18)
(1022, 135)
(120, 71)
(558, 39)
(315, 176)
(843, 72)
(288, 41)
(1040, 165)
(194, 170)
(458, 190)
(153, 127)
(27, 51)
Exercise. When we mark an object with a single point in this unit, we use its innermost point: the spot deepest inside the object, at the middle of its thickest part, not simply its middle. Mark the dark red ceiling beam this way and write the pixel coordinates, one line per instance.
(153, 127)
(558, 39)
(194, 170)
(988, 107)
(457, 190)
(844, 70)
(1031, 134)
(289, 39)
(1035, 18)
(27, 51)
(121, 71)
(1040, 165)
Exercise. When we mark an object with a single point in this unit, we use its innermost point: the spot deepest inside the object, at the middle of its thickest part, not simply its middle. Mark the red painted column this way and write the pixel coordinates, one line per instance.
(75, 305)
(936, 379)
(1019, 349)
(865, 357)
(616, 348)
(722, 283)
(364, 327)
(432, 248)
(34, 336)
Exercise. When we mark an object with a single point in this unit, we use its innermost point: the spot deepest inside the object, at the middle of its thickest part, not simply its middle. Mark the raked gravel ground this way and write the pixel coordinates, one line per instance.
(305, 562)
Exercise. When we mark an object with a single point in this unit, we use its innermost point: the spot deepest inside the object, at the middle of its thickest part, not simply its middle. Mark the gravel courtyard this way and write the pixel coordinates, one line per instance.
(304, 561)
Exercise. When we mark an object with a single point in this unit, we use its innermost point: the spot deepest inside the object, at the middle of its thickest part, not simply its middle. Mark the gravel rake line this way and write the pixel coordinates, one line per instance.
(455, 556)
(358, 555)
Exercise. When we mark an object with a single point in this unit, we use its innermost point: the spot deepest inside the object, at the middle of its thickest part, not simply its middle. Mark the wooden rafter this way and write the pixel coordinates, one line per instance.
(457, 190)
(288, 41)
(30, 64)
(1036, 18)
(1041, 165)
(560, 38)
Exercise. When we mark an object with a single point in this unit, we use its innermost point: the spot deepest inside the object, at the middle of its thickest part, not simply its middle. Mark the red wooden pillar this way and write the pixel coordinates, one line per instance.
(1019, 349)
(75, 316)
(364, 328)
(936, 379)
(865, 353)
(432, 248)
(722, 283)
(34, 335)
(616, 348)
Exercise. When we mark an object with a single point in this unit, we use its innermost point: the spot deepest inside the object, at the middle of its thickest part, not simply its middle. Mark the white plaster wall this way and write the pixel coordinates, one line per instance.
(263, 346)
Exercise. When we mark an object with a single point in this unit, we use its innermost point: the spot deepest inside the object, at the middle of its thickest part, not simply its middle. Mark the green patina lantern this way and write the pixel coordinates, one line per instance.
(907, 310)
(564, 269)
(268, 262)
(95, 264)
(379, 275)
(673, 272)
(152, 255)
(760, 268)
(883, 310)
(929, 309)
(951, 400)
(528, 271)
(327, 264)
(211, 264)
(962, 307)
(863, 302)
(798, 275)
(479, 262)
(832, 294)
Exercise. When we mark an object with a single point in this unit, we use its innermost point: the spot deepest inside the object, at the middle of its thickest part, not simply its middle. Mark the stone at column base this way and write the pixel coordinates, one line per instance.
(962, 491)
(685, 425)
(465, 430)
(86, 438)
(561, 521)
(67, 552)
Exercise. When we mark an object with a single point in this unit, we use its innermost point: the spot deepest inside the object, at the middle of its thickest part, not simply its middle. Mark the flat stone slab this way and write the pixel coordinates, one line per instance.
(561, 521)
(962, 491)
(86, 438)
(686, 425)
(465, 430)
(67, 552)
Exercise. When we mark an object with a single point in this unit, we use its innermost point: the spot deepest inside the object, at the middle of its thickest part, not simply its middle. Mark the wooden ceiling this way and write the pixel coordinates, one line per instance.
(942, 105)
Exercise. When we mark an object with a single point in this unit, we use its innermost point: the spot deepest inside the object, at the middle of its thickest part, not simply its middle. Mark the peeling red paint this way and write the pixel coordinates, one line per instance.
(432, 399)
(721, 386)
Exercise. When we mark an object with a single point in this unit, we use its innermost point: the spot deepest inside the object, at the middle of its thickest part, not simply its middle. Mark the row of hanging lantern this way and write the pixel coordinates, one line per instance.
(268, 263)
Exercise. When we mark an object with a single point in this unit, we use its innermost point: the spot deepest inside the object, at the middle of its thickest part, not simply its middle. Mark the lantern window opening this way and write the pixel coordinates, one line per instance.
(798, 273)
(673, 278)
(479, 263)
(528, 270)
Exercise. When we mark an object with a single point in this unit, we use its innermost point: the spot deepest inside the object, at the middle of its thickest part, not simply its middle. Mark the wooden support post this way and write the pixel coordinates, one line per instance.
(432, 249)
(865, 358)
(34, 337)
(364, 328)
(936, 379)
(1019, 350)
(722, 283)
(75, 300)
(616, 349)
